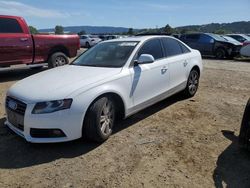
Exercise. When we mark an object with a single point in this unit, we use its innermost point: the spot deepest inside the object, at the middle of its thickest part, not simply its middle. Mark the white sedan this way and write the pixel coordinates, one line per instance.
(112, 80)
(89, 40)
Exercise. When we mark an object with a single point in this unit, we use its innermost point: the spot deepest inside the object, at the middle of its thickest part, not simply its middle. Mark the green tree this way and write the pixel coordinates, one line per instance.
(33, 30)
(130, 31)
(221, 32)
(59, 29)
(82, 32)
(168, 29)
(183, 31)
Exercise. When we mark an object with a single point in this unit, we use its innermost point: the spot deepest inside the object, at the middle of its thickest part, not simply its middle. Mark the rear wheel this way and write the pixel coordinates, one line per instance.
(244, 137)
(58, 59)
(99, 120)
(192, 83)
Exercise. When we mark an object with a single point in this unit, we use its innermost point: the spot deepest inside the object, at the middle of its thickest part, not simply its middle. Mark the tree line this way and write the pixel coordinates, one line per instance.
(235, 27)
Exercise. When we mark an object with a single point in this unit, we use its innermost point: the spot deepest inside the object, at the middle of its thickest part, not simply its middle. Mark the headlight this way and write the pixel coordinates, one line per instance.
(51, 106)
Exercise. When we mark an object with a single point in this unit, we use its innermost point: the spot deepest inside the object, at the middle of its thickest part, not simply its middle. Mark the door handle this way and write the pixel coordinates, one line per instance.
(23, 39)
(185, 63)
(164, 70)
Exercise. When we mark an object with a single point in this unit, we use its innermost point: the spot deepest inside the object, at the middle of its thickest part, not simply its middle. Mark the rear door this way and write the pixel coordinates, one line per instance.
(177, 57)
(192, 40)
(16, 47)
(206, 44)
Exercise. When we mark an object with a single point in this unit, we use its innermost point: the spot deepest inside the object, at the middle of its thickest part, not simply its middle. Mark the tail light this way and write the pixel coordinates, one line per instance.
(246, 43)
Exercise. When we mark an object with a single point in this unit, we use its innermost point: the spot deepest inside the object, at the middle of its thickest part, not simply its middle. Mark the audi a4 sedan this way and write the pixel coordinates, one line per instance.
(112, 80)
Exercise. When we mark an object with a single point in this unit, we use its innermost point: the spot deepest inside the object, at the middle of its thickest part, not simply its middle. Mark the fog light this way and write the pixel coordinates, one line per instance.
(46, 133)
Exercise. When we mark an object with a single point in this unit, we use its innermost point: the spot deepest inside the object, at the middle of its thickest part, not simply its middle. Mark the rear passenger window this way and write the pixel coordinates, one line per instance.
(152, 47)
(184, 48)
(172, 47)
(193, 37)
(205, 39)
(8, 25)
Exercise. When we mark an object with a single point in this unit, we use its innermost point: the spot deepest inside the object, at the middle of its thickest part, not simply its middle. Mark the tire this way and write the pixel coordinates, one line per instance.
(192, 83)
(87, 45)
(58, 59)
(244, 136)
(220, 53)
(99, 120)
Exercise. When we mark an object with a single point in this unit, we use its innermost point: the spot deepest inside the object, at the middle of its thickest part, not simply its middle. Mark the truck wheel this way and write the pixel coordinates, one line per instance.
(58, 59)
(192, 83)
(244, 137)
(220, 53)
(99, 120)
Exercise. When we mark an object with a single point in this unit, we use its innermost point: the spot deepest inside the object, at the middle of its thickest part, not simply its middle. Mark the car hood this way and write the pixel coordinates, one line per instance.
(231, 42)
(58, 83)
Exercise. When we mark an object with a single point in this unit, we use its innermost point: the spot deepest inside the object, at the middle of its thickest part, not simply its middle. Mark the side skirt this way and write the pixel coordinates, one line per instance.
(156, 99)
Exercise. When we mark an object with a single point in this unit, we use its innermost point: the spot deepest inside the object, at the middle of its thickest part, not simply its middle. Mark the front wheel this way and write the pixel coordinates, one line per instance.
(220, 53)
(87, 45)
(58, 59)
(99, 120)
(192, 83)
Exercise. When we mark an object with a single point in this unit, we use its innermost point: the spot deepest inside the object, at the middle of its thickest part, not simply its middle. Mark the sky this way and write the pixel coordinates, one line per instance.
(126, 13)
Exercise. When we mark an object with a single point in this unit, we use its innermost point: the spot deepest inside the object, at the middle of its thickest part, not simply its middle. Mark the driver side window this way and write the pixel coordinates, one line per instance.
(206, 39)
(152, 47)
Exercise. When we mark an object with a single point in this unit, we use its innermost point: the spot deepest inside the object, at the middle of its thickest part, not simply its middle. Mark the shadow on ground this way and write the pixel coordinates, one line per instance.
(15, 152)
(14, 74)
(233, 165)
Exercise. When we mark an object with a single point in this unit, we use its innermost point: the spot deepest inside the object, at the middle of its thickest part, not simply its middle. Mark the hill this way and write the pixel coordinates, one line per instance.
(235, 27)
(91, 29)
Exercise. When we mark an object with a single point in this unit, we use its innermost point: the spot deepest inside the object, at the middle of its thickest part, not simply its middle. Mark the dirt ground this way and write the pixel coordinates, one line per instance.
(175, 143)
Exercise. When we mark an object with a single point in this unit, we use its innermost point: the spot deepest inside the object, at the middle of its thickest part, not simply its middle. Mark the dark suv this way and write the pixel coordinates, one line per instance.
(211, 45)
(244, 137)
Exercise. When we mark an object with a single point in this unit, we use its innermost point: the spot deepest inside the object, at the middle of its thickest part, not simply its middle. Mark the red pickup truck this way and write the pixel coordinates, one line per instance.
(18, 46)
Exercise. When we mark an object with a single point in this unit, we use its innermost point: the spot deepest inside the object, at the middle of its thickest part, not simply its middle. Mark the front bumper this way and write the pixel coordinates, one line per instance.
(69, 122)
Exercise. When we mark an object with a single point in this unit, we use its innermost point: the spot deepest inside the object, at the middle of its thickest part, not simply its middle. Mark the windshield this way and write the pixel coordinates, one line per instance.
(217, 37)
(107, 54)
(93, 37)
(246, 37)
(230, 39)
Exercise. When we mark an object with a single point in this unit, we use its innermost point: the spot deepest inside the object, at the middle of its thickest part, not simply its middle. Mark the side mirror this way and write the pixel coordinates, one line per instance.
(145, 59)
(212, 41)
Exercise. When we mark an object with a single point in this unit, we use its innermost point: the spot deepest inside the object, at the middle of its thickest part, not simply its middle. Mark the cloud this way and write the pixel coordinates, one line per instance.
(21, 9)
(159, 7)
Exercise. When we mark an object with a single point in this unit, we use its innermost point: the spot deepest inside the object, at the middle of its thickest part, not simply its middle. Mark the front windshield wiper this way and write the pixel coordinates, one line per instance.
(95, 65)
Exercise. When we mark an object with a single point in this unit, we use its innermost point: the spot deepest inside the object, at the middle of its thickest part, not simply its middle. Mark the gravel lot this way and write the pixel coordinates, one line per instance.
(175, 143)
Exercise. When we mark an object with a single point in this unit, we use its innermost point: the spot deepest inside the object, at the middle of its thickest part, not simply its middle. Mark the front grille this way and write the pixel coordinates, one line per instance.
(20, 107)
(237, 49)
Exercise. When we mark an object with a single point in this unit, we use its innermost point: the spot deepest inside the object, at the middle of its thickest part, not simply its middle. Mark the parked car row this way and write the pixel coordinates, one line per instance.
(213, 45)
(89, 41)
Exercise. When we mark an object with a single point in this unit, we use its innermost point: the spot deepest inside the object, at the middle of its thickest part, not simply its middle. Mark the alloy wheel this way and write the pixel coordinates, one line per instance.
(193, 82)
(107, 118)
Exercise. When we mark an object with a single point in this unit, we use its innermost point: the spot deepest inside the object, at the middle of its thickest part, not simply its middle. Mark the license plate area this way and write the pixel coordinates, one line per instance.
(15, 119)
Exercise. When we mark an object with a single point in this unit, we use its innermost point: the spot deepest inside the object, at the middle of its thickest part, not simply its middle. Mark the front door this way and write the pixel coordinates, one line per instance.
(15, 46)
(149, 80)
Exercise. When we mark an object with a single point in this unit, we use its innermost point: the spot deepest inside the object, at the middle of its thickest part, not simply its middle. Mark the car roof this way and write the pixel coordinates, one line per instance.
(138, 38)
